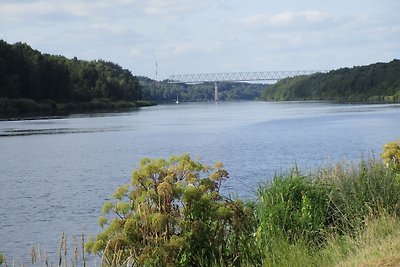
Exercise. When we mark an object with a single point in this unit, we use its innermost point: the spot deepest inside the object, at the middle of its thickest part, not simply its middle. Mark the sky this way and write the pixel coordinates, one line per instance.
(207, 36)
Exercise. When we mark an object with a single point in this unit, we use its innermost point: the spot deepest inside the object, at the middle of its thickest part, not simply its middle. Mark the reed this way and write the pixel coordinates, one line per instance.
(66, 257)
(300, 214)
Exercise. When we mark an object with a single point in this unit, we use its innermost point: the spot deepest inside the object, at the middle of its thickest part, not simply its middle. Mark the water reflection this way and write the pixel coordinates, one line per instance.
(25, 132)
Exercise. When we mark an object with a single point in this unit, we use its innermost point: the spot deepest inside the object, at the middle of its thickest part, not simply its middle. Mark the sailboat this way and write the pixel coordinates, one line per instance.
(177, 99)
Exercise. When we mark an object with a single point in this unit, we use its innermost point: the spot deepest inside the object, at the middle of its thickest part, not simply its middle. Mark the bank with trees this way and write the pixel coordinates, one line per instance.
(33, 82)
(379, 82)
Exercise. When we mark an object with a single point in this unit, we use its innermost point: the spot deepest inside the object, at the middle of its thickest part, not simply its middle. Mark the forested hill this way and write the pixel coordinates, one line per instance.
(28, 74)
(375, 82)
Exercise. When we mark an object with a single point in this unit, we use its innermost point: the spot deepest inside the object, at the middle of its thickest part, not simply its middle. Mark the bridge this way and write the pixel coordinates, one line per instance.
(238, 77)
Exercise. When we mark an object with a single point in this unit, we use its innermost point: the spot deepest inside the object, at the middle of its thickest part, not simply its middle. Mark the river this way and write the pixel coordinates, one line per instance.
(56, 173)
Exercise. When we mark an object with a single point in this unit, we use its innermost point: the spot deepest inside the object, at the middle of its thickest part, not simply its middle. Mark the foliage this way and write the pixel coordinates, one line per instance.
(167, 92)
(1, 259)
(299, 214)
(295, 207)
(172, 214)
(375, 82)
(27, 107)
(27, 73)
(377, 244)
(360, 192)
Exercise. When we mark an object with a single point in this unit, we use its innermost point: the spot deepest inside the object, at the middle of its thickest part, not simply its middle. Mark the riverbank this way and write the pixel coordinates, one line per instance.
(22, 108)
(374, 83)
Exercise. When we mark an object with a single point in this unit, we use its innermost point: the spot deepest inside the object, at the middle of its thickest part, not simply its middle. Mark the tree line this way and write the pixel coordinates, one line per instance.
(27, 73)
(28, 76)
(375, 83)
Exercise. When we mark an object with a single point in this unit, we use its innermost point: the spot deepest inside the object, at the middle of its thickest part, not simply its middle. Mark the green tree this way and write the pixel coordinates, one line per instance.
(27, 73)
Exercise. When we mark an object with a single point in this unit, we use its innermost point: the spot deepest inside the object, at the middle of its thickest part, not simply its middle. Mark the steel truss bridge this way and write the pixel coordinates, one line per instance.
(238, 77)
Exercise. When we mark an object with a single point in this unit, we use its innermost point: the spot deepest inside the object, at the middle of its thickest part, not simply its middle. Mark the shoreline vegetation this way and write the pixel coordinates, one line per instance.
(33, 83)
(376, 83)
(22, 108)
(171, 213)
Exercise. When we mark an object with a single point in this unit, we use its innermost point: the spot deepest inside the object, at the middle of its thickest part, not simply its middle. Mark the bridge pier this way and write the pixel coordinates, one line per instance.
(215, 91)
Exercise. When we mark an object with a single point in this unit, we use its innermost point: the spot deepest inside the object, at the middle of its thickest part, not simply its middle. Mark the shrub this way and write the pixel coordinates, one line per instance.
(172, 214)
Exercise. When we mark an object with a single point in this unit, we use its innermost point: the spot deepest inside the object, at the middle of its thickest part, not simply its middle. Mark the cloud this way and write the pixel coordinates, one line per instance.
(285, 19)
(15, 11)
(159, 7)
(43, 10)
(175, 50)
(171, 9)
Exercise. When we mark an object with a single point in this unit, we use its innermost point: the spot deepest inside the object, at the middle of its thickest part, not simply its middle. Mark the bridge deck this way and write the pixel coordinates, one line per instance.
(239, 76)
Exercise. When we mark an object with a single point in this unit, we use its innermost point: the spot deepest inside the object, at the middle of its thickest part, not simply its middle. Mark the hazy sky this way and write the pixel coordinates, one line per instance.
(200, 36)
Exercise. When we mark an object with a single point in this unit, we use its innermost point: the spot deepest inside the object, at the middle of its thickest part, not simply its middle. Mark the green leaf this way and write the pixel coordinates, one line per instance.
(107, 206)
(121, 192)
(102, 221)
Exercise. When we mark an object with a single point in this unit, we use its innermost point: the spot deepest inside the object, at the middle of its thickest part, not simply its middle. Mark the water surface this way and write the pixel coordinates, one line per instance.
(56, 173)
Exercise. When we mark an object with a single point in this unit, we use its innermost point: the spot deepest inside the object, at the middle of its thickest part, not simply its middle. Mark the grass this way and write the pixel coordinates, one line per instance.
(378, 244)
(334, 217)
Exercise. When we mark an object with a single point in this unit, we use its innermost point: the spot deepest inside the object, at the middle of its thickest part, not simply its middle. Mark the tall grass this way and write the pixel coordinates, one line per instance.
(300, 214)
(376, 244)
(361, 191)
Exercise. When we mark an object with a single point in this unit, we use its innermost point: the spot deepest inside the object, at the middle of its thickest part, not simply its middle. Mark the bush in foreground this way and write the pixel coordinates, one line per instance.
(172, 214)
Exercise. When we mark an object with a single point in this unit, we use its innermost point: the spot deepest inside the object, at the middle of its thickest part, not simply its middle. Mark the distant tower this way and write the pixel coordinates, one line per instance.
(156, 71)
